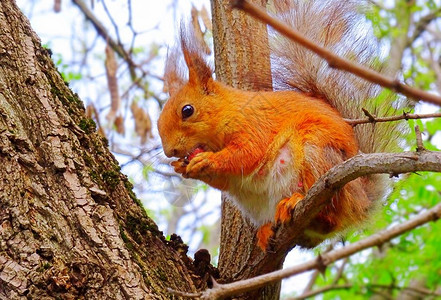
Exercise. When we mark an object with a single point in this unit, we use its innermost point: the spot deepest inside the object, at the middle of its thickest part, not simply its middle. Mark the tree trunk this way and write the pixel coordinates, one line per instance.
(242, 60)
(70, 225)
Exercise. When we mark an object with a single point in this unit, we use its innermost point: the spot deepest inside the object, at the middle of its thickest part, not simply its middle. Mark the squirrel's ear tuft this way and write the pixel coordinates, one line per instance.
(199, 71)
(194, 53)
(174, 78)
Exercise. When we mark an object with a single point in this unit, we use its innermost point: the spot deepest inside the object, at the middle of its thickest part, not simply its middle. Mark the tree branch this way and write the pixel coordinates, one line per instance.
(422, 24)
(115, 26)
(335, 61)
(404, 116)
(322, 290)
(361, 165)
(419, 139)
(102, 31)
(332, 287)
(315, 274)
(320, 194)
(118, 47)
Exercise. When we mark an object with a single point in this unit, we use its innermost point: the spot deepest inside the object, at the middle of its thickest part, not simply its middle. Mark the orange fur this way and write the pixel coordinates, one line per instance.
(266, 149)
(243, 132)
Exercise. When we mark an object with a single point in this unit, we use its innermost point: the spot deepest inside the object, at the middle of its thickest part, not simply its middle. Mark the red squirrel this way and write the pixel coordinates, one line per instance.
(266, 149)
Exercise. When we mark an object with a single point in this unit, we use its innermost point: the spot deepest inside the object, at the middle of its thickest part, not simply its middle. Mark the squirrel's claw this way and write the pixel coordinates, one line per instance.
(286, 207)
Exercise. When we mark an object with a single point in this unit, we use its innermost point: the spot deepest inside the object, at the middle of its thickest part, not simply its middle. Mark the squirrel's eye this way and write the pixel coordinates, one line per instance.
(187, 111)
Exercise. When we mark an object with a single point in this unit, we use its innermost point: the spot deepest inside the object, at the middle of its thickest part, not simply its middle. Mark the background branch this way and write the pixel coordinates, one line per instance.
(102, 31)
(422, 24)
(315, 275)
(404, 116)
(332, 287)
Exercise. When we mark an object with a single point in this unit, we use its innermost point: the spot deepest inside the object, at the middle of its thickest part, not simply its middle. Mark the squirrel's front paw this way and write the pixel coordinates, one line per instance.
(180, 165)
(199, 166)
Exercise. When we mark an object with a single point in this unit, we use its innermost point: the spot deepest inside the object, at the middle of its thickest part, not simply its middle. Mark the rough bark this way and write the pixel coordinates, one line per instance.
(242, 61)
(70, 225)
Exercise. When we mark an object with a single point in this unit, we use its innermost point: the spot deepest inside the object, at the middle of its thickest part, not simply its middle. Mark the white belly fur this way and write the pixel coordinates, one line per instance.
(258, 194)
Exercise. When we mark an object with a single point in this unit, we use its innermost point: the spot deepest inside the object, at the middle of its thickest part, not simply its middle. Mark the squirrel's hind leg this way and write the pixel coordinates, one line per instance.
(285, 208)
(264, 235)
(284, 211)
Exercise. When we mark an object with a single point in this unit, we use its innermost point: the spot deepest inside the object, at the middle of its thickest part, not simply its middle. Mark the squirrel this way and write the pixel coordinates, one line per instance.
(265, 149)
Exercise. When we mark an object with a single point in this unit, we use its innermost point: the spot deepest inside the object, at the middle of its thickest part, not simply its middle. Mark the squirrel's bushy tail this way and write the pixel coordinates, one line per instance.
(339, 26)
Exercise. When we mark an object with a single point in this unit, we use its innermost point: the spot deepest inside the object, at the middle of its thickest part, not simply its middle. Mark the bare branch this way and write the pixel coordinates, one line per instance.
(102, 31)
(340, 271)
(422, 24)
(334, 60)
(423, 292)
(419, 139)
(315, 275)
(320, 194)
(368, 114)
(404, 116)
(434, 64)
(118, 47)
(311, 282)
(183, 294)
(322, 290)
(115, 26)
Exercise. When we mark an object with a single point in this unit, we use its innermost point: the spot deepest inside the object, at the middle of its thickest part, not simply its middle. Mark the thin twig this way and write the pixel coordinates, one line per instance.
(315, 275)
(332, 287)
(404, 116)
(102, 31)
(419, 139)
(118, 47)
(334, 60)
(422, 24)
(115, 26)
(370, 116)
(322, 290)
(340, 270)
(313, 278)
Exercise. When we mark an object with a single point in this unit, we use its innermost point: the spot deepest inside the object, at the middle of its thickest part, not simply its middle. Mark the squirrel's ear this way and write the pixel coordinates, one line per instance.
(199, 72)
